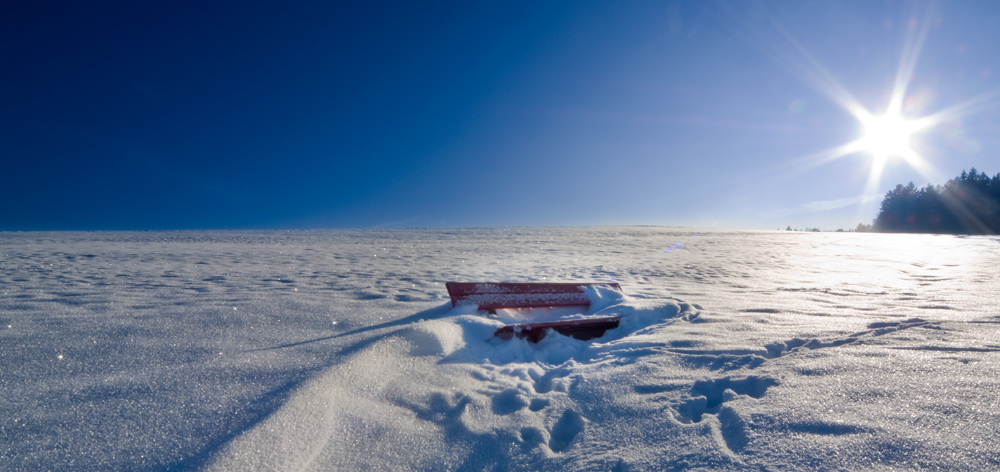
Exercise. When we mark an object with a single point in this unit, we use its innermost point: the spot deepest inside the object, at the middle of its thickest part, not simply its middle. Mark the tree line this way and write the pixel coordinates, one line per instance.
(967, 204)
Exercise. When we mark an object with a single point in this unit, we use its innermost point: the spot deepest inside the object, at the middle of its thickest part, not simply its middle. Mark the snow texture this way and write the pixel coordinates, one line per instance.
(339, 350)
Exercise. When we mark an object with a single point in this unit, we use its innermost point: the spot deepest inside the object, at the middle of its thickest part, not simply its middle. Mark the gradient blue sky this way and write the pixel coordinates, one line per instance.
(245, 114)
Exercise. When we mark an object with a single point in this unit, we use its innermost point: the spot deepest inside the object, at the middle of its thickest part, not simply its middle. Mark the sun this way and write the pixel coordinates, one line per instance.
(887, 136)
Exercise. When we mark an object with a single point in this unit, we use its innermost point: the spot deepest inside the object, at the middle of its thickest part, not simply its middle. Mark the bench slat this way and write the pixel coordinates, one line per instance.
(583, 330)
(492, 296)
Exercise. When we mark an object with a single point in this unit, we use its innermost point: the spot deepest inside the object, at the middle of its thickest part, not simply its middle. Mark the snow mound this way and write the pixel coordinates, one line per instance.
(449, 385)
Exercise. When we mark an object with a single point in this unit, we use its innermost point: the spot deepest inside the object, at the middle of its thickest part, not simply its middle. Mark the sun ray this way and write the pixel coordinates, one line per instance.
(875, 174)
(912, 47)
(982, 102)
(792, 56)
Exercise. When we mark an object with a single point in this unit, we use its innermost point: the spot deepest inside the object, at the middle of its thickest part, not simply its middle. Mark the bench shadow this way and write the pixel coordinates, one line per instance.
(270, 401)
(428, 314)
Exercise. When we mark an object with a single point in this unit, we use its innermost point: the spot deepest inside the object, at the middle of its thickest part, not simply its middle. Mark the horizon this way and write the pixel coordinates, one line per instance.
(693, 229)
(253, 116)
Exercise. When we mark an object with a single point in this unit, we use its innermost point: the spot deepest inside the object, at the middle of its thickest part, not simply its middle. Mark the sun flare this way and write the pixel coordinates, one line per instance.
(892, 135)
(887, 135)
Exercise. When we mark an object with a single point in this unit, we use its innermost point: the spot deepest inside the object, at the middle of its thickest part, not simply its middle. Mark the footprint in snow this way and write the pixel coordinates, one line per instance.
(508, 402)
(707, 396)
(538, 404)
(569, 426)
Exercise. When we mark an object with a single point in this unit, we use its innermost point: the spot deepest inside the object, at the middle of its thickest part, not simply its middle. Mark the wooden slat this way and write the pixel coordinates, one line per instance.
(584, 329)
(492, 296)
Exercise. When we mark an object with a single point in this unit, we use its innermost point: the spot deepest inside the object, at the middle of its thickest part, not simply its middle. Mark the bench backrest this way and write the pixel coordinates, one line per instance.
(491, 296)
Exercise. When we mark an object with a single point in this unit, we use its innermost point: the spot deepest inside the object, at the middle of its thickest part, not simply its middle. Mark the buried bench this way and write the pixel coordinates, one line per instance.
(493, 296)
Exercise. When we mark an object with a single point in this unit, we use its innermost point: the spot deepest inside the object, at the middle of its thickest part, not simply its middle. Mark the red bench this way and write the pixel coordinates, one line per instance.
(493, 296)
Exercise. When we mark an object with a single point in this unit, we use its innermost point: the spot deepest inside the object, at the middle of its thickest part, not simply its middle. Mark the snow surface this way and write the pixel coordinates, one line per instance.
(339, 350)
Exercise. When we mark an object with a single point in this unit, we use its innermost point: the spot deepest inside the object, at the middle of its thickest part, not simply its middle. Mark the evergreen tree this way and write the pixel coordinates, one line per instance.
(967, 204)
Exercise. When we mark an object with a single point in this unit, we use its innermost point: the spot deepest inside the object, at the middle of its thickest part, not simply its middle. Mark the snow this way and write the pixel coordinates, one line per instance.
(339, 350)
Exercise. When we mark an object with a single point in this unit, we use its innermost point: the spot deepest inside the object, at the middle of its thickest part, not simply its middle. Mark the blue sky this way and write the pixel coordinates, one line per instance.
(178, 115)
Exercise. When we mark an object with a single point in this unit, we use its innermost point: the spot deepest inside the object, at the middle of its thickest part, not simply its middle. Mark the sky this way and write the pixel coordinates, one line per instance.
(310, 114)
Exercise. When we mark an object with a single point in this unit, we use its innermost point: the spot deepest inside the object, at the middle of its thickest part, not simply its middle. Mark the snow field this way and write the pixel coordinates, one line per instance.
(339, 350)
